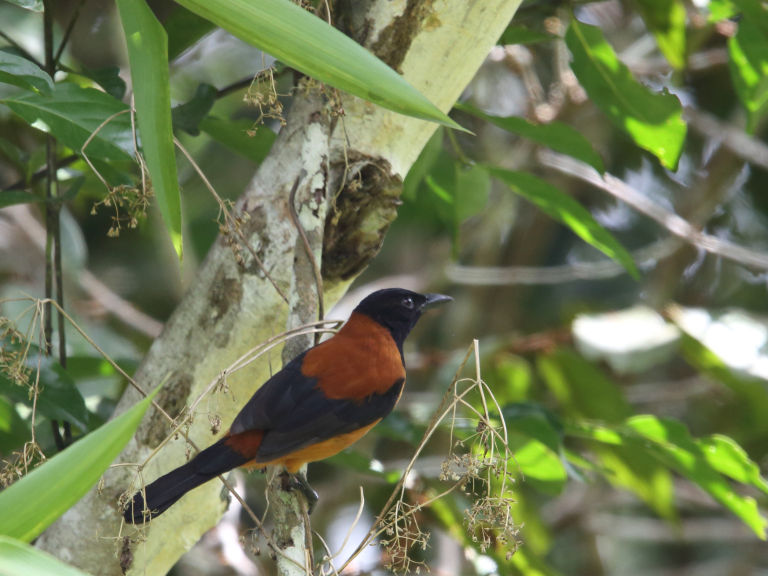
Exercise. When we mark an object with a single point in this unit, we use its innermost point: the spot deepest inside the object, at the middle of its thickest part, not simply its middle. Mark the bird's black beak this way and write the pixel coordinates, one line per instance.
(434, 300)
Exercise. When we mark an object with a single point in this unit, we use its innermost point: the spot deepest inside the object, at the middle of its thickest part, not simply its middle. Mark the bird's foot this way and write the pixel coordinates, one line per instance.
(300, 483)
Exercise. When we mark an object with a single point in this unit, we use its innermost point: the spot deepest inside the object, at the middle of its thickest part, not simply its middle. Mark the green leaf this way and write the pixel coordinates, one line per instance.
(518, 34)
(540, 466)
(535, 421)
(148, 56)
(108, 78)
(568, 211)
(33, 503)
(14, 432)
(748, 62)
(471, 193)
(353, 460)
(581, 388)
(34, 5)
(666, 20)
(235, 136)
(728, 458)
(188, 116)
(673, 445)
(721, 10)
(423, 164)
(654, 121)
(184, 28)
(13, 197)
(73, 113)
(58, 398)
(20, 559)
(555, 135)
(15, 155)
(632, 468)
(310, 45)
(24, 74)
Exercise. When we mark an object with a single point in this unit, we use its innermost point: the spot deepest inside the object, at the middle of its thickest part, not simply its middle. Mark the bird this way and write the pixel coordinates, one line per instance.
(320, 403)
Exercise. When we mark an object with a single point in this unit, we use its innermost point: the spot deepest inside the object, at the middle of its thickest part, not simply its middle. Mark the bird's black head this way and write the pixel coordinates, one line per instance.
(398, 309)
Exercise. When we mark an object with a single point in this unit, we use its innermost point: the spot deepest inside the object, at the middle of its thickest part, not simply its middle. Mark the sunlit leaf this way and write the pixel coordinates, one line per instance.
(568, 211)
(73, 113)
(555, 135)
(184, 28)
(535, 421)
(235, 136)
(728, 458)
(666, 21)
(24, 74)
(673, 445)
(58, 398)
(581, 388)
(748, 61)
(33, 503)
(540, 466)
(148, 56)
(310, 45)
(188, 116)
(20, 559)
(721, 10)
(653, 120)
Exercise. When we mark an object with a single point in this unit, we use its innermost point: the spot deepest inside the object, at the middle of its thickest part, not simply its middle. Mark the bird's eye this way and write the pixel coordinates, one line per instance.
(408, 303)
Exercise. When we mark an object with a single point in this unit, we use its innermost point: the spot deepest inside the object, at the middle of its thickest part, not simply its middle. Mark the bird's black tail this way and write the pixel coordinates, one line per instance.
(167, 490)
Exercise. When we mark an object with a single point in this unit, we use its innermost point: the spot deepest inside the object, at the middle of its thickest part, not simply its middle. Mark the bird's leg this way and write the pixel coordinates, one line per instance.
(306, 489)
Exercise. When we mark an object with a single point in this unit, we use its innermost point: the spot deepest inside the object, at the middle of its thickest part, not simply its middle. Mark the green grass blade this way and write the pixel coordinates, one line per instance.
(653, 120)
(33, 503)
(20, 559)
(148, 56)
(306, 43)
(555, 135)
(568, 211)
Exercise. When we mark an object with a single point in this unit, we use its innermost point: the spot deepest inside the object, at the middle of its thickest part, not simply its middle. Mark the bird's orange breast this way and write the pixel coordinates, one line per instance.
(362, 359)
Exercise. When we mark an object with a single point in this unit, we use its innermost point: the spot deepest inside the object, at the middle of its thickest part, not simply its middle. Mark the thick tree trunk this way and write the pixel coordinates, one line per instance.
(438, 45)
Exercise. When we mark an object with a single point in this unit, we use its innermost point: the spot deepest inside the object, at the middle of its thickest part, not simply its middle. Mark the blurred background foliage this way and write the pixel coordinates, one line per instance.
(634, 388)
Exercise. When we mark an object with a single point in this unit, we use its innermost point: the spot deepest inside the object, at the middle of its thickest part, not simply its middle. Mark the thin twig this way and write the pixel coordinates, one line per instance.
(68, 33)
(672, 222)
(24, 53)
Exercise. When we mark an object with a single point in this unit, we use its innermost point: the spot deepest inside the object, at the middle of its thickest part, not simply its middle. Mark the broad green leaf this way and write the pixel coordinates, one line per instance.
(423, 164)
(20, 559)
(666, 20)
(514, 378)
(235, 136)
(472, 187)
(34, 5)
(58, 398)
(568, 211)
(632, 468)
(73, 113)
(33, 503)
(13, 197)
(188, 116)
(555, 135)
(310, 45)
(24, 74)
(748, 62)
(535, 421)
(581, 388)
(653, 120)
(184, 28)
(540, 466)
(148, 57)
(518, 34)
(728, 458)
(108, 78)
(13, 430)
(721, 10)
(673, 445)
